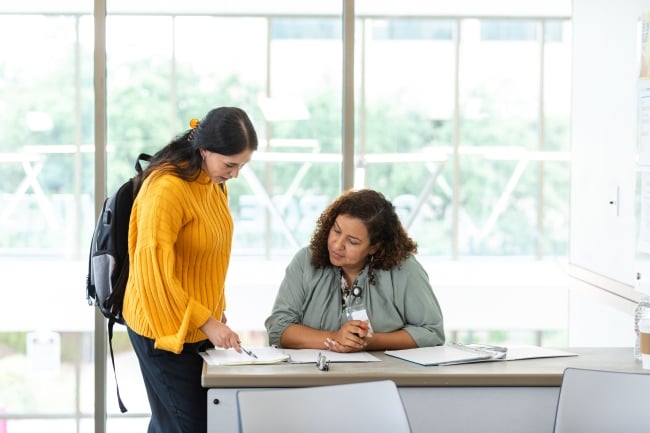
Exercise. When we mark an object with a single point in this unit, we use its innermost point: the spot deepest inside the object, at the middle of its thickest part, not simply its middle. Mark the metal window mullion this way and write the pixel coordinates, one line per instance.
(99, 74)
(268, 168)
(77, 203)
(540, 143)
(456, 145)
(173, 69)
(363, 131)
(347, 145)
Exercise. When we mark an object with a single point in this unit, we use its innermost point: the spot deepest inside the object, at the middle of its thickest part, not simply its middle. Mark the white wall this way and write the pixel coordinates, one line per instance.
(604, 139)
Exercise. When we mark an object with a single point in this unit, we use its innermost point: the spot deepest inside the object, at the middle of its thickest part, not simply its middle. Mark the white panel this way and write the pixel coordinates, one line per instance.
(604, 136)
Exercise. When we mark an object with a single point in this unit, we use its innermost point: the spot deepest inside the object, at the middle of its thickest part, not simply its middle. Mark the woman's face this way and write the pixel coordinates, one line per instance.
(348, 244)
(221, 168)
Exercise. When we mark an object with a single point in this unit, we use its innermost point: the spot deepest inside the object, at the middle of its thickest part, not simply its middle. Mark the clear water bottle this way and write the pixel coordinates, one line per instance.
(642, 310)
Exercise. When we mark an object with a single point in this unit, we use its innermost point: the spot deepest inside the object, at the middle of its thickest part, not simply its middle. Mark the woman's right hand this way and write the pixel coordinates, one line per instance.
(221, 335)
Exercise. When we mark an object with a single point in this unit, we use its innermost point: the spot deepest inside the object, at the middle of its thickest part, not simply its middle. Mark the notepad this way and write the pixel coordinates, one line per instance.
(265, 355)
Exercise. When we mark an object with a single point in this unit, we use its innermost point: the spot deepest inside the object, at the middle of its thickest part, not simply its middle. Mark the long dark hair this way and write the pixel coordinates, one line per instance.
(224, 130)
(381, 221)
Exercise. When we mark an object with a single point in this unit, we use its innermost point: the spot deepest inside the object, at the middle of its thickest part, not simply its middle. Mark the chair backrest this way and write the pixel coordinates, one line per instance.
(595, 401)
(355, 408)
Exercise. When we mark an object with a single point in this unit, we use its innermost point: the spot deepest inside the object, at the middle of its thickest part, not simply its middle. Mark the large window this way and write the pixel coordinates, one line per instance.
(46, 211)
(461, 121)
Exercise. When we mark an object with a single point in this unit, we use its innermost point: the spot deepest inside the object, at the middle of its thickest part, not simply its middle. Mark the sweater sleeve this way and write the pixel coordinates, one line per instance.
(287, 308)
(166, 306)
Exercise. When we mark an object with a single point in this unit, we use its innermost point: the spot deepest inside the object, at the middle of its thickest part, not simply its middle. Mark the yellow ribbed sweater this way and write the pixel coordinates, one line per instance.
(180, 236)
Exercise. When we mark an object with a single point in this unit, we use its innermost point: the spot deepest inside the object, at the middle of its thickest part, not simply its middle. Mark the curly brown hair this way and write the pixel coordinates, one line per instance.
(383, 225)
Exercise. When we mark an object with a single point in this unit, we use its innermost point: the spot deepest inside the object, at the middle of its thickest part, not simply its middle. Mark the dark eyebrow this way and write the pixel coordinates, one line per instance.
(336, 225)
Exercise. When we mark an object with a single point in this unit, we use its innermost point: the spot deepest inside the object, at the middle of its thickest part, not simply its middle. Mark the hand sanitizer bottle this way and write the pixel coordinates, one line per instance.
(642, 310)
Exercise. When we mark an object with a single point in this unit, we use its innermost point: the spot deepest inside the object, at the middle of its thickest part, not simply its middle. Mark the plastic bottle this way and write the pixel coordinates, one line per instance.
(642, 310)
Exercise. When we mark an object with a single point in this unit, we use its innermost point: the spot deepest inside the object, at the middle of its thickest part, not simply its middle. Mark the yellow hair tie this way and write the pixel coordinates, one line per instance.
(194, 123)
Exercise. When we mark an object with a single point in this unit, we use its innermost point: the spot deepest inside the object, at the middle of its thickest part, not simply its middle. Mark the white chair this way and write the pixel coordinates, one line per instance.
(596, 401)
(355, 408)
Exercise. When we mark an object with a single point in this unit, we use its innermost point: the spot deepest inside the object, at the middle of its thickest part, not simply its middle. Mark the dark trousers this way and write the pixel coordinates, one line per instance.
(173, 382)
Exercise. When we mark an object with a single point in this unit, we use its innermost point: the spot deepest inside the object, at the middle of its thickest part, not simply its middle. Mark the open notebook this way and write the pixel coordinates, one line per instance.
(265, 355)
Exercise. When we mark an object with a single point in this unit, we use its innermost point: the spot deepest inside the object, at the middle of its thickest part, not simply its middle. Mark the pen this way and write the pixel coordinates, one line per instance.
(247, 352)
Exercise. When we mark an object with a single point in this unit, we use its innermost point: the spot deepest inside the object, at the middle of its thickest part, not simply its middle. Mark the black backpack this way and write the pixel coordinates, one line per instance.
(108, 261)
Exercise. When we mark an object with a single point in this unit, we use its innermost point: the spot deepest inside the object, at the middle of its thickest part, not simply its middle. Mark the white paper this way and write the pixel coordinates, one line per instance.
(265, 355)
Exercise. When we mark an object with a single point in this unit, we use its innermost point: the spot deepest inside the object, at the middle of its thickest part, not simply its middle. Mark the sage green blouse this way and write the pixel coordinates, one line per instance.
(401, 299)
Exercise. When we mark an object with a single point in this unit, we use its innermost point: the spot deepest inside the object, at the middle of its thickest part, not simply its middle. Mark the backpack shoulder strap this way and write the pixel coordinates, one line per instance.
(111, 323)
(124, 197)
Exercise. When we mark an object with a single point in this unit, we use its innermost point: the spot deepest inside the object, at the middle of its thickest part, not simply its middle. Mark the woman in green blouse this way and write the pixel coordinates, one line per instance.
(358, 286)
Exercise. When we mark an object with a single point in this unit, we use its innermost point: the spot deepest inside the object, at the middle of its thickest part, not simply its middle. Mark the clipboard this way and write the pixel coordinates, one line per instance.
(451, 354)
(447, 354)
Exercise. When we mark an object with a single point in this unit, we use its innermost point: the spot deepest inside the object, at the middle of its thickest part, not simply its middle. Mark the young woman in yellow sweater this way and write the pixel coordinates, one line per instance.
(180, 237)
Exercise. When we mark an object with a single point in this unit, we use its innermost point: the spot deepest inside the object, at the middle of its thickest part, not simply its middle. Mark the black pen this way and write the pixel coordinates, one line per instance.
(247, 352)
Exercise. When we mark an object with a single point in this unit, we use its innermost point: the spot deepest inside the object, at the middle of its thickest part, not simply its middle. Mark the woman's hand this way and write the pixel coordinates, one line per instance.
(221, 335)
(351, 337)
